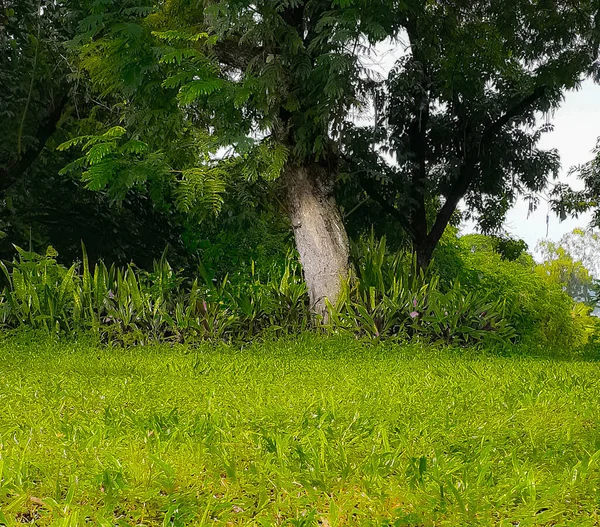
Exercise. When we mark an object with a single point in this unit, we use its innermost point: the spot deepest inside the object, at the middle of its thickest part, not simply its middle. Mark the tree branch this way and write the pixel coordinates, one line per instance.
(467, 173)
(231, 53)
(513, 112)
(387, 207)
(468, 170)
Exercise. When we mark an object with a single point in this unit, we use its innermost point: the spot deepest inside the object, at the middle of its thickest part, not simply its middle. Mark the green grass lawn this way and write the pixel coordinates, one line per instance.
(300, 432)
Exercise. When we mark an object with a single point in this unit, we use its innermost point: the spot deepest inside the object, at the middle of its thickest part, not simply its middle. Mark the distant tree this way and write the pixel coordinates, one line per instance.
(562, 268)
(584, 246)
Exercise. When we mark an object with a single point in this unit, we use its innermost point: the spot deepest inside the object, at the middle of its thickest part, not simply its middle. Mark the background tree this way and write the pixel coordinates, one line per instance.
(459, 110)
(562, 268)
(43, 102)
(34, 85)
(567, 201)
(584, 246)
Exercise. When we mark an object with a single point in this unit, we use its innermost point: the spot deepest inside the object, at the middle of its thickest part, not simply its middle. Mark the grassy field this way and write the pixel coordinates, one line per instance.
(300, 432)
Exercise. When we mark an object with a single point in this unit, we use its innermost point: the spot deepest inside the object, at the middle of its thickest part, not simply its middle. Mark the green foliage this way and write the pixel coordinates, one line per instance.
(34, 77)
(481, 298)
(389, 297)
(294, 431)
(458, 111)
(540, 312)
(128, 305)
(566, 200)
(509, 248)
(561, 269)
(40, 294)
(217, 93)
(584, 245)
(115, 163)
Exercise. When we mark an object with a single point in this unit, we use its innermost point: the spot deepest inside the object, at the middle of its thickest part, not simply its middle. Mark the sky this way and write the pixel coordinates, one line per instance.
(576, 130)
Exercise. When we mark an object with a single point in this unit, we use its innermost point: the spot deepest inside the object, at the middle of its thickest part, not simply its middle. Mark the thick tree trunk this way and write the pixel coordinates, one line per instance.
(320, 234)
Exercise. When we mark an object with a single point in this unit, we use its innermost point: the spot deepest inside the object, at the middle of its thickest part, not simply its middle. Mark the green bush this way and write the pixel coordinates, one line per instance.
(538, 310)
(471, 295)
(133, 306)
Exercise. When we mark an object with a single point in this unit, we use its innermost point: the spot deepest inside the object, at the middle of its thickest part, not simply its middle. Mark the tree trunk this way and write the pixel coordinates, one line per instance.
(424, 251)
(319, 232)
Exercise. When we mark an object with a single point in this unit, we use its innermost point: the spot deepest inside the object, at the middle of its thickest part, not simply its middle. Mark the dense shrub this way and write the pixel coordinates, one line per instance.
(539, 310)
(471, 295)
(128, 305)
(389, 297)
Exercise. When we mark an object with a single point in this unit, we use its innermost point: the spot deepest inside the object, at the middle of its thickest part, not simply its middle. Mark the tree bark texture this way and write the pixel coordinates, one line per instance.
(320, 235)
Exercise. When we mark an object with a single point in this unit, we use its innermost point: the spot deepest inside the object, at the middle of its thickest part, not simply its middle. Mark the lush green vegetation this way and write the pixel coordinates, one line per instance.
(472, 296)
(317, 344)
(305, 431)
(131, 124)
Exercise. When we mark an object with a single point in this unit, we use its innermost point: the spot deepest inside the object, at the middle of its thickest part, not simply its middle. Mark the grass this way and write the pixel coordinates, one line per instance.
(299, 432)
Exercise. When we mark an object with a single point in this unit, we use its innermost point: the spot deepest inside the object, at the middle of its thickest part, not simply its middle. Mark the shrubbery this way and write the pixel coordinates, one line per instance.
(473, 294)
(388, 297)
(132, 306)
(540, 312)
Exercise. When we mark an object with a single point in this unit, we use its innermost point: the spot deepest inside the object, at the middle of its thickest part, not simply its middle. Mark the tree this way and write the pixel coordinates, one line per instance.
(459, 110)
(584, 246)
(265, 90)
(34, 84)
(42, 102)
(260, 89)
(567, 201)
(561, 268)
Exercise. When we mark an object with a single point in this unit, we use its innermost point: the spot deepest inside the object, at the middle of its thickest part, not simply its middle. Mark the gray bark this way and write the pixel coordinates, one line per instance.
(319, 232)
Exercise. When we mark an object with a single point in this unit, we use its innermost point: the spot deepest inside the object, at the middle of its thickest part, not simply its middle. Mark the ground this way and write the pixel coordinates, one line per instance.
(305, 431)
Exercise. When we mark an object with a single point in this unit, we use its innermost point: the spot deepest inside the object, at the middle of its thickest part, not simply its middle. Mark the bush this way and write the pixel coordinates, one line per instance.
(470, 296)
(132, 306)
(388, 297)
(539, 311)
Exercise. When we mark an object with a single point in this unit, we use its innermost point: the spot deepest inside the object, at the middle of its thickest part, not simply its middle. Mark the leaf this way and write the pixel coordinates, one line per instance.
(73, 142)
(134, 146)
(177, 56)
(98, 152)
(199, 88)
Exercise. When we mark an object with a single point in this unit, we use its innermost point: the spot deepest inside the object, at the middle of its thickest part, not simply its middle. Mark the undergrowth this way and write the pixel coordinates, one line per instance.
(385, 297)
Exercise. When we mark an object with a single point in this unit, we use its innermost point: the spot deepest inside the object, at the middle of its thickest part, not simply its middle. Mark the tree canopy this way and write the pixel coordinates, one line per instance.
(459, 112)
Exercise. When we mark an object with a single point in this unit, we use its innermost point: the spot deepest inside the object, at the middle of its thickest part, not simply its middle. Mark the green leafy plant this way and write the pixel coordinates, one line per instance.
(538, 309)
(40, 293)
(497, 302)
(390, 296)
